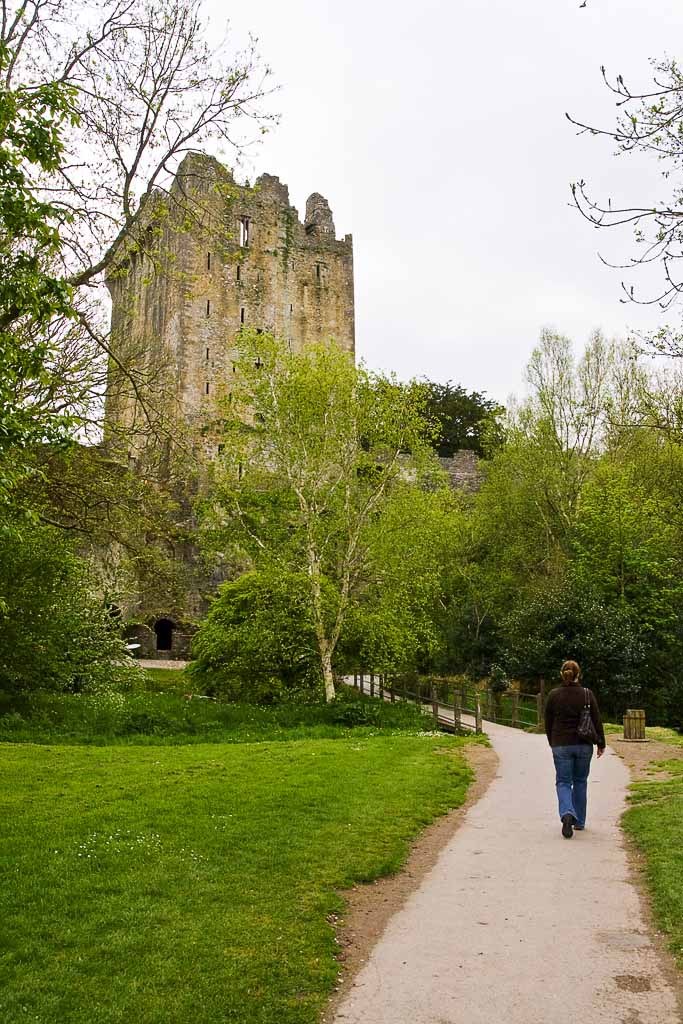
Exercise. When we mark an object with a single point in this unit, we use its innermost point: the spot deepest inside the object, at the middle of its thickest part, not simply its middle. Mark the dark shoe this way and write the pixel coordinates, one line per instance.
(568, 825)
(579, 828)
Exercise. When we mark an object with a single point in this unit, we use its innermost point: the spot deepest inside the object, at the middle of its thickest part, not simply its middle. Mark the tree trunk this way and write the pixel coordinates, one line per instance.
(328, 677)
(325, 646)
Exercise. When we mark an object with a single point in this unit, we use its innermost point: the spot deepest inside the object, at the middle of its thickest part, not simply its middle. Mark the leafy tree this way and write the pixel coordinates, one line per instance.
(312, 447)
(567, 620)
(465, 419)
(32, 124)
(55, 632)
(258, 641)
(571, 546)
(99, 104)
(625, 546)
(396, 622)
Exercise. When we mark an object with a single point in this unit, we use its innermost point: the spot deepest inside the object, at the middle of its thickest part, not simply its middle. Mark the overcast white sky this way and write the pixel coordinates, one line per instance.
(437, 133)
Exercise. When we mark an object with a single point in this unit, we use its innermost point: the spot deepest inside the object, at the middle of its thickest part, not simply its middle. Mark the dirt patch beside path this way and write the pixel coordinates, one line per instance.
(639, 757)
(370, 907)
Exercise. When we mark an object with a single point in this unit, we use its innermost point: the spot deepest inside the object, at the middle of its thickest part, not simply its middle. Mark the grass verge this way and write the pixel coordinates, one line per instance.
(166, 717)
(194, 883)
(655, 821)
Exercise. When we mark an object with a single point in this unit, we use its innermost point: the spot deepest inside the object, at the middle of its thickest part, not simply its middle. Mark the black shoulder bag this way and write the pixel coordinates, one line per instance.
(586, 728)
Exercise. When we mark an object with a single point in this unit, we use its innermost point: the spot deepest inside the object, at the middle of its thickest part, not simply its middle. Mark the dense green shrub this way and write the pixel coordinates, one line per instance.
(54, 630)
(352, 708)
(258, 642)
(564, 622)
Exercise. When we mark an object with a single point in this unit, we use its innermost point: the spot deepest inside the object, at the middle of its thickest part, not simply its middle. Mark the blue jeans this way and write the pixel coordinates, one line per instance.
(572, 765)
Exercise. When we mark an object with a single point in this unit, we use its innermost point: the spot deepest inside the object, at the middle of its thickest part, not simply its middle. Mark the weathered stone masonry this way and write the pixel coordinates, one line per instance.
(242, 258)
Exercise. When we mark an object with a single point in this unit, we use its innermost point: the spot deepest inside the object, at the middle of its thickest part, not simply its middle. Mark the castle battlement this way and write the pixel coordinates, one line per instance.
(214, 257)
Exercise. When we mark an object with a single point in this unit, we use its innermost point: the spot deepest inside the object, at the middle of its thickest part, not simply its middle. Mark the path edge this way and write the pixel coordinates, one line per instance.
(369, 907)
(637, 869)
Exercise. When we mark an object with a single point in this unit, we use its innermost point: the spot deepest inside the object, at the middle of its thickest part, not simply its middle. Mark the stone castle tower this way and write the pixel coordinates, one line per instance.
(213, 257)
(209, 258)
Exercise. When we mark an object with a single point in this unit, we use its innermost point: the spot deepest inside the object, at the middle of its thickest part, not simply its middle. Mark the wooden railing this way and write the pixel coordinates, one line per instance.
(456, 707)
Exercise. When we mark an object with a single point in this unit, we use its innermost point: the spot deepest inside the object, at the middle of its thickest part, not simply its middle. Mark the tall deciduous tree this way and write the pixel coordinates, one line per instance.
(466, 419)
(100, 101)
(33, 121)
(312, 447)
(398, 620)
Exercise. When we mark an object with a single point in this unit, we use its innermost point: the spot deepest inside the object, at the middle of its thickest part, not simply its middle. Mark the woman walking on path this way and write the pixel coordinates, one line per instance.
(571, 754)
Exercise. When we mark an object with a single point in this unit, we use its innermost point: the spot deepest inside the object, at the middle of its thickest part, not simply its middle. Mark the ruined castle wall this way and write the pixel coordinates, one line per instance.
(463, 470)
(242, 258)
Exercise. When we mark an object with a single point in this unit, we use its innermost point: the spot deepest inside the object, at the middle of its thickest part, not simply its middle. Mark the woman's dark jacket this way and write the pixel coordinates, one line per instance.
(562, 713)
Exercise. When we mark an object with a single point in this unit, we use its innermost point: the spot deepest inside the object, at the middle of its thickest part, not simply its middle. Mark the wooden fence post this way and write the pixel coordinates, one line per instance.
(435, 705)
(392, 695)
(477, 712)
(515, 709)
(381, 687)
(456, 712)
(540, 706)
(372, 684)
(355, 680)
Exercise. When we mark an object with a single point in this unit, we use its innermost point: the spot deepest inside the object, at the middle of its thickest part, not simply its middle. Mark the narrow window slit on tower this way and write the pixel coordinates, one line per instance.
(317, 270)
(207, 355)
(244, 231)
(238, 272)
(242, 315)
(207, 387)
(208, 261)
(208, 307)
(291, 309)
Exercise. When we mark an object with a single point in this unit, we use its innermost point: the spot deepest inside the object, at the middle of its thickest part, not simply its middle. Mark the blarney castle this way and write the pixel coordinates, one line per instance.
(222, 257)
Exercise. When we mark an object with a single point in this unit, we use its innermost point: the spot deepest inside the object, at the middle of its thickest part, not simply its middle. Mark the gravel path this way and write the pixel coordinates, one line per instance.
(516, 925)
(159, 663)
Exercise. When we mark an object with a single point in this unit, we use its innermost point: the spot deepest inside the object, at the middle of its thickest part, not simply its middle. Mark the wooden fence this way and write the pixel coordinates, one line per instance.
(457, 707)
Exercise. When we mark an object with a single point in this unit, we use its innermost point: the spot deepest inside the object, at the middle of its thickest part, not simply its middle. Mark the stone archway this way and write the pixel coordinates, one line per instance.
(163, 629)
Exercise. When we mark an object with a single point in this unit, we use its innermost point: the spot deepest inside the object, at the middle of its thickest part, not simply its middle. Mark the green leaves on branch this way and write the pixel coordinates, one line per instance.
(313, 448)
(257, 643)
(31, 294)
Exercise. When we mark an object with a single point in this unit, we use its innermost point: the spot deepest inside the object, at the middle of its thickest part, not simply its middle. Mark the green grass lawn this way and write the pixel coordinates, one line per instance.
(170, 680)
(173, 884)
(655, 821)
